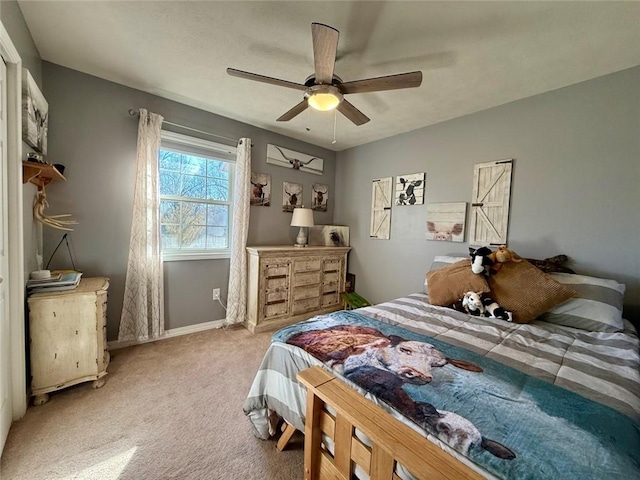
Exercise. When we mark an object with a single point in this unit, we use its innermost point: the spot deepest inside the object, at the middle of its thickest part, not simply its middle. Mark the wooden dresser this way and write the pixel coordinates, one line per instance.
(287, 284)
(68, 337)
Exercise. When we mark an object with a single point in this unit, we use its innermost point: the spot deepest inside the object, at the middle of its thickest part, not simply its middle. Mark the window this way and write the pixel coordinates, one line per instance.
(196, 193)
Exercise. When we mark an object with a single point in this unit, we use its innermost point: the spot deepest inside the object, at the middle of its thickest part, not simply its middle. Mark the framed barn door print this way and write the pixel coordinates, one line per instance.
(490, 203)
(381, 198)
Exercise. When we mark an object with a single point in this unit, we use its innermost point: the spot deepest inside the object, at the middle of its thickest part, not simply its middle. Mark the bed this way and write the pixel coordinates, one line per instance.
(558, 397)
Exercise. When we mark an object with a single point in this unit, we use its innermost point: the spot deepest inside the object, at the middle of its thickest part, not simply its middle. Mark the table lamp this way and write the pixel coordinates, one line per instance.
(302, 217)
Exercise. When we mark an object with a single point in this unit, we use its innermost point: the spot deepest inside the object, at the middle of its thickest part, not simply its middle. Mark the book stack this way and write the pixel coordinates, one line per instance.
(57, 282)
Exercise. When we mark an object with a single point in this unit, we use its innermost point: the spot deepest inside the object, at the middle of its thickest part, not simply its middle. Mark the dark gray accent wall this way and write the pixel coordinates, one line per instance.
(575, 187)
(93, 135)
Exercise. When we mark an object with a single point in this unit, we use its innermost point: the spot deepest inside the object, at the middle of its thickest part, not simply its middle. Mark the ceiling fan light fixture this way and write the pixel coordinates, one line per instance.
(323, 97)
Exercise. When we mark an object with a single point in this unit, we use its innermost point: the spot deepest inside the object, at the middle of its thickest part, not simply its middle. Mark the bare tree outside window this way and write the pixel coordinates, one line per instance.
(194, 201)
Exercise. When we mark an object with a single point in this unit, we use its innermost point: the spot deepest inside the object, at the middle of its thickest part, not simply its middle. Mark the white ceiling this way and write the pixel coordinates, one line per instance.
(473, 55)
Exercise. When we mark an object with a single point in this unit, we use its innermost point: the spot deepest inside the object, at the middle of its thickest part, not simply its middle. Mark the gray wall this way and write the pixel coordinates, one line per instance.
(93, 135)
(575, 187)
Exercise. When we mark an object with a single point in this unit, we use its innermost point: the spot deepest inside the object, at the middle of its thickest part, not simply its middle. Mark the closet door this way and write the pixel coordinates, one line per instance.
(490, 203)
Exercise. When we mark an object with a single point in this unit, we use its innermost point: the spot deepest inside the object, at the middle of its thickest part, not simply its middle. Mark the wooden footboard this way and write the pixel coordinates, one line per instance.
(392, 441)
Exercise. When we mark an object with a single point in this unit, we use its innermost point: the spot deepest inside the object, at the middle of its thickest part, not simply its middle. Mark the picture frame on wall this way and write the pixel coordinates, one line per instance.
(284, 157)
(319, 197)
(490, 204)
(329, 235)
(381, 198)
(446, 221)
(291, 196)
(410, 189)
(35, 114)
(260, 192)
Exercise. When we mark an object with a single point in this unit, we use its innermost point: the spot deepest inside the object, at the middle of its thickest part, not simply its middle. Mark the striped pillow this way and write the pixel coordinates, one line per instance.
(598, 309)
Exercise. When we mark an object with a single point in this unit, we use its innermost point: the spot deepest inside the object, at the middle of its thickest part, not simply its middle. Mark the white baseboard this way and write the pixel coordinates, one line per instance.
(174, 332)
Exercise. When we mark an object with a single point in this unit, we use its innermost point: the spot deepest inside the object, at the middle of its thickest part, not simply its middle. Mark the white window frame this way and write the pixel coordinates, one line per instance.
(217, 151)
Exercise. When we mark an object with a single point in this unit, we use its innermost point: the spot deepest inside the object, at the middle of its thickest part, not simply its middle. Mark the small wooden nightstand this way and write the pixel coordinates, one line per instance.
(67, 337)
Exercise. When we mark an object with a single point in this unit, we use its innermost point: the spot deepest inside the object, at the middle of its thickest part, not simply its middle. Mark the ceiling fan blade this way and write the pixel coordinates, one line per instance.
(261, 78)
(325, 47)
(391, 82)
(298, 109)
(352, 113)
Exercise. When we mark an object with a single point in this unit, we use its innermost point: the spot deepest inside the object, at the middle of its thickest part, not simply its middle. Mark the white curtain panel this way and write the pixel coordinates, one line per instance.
(237, 292)
(143, 307)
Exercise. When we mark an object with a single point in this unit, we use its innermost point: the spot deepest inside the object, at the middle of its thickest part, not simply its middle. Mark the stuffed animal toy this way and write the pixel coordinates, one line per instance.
(480, 304)
(472, 304)
(493, 310)
(500, 256)
(480, 260)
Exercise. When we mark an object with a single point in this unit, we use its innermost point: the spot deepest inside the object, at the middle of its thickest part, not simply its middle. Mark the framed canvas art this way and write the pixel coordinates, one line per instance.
(35, 114)
(445, 221)
(291, 196)
(260, 189)
(319, 197)
(291, 159)
(381, 198)
(489, 218)
(329, 235)
(410, 189)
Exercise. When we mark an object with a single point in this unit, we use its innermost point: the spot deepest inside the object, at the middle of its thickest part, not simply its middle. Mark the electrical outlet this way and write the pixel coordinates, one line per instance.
(216, 294)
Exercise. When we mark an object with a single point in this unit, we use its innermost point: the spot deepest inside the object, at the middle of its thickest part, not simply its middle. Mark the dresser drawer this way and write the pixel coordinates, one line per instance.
(276, 295)
(331, 265)
(276, 309)
(307, 264)
(330, 282)
(302, 293)
(330, 299)
(308, 278)
(276, 270)
(306, 305)
(276, 283)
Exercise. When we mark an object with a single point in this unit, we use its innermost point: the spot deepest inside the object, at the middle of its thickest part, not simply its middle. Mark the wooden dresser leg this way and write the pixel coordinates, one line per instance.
(99, 383)
(287, 433)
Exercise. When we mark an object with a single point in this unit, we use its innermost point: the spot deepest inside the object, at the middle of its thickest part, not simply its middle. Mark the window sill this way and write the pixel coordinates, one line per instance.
(182, 256)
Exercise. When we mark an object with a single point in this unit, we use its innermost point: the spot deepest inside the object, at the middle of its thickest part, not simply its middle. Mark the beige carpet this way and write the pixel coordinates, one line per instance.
(169, 410)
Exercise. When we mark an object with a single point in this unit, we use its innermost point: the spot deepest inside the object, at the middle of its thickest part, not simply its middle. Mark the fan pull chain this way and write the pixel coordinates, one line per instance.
(308, 115)
(335, 121)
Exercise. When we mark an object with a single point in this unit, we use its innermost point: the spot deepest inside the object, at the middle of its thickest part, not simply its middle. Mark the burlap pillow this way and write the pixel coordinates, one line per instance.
(526, 291)
(448, 284)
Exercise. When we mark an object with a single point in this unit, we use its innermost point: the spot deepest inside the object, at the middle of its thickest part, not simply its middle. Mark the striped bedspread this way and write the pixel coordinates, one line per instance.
(604, 367)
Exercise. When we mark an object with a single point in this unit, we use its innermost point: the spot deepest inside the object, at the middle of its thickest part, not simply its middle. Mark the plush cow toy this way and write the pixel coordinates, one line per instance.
(480, 260)
(472, 304)
(493, 310)
(481, 305)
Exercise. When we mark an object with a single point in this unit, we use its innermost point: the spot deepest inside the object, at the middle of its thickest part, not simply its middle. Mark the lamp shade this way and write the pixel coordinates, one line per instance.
(302, 217)
(323, 101)
(323, 97)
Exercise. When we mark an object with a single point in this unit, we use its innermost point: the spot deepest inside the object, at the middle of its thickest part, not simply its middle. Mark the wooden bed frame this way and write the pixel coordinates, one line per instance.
(392, 441)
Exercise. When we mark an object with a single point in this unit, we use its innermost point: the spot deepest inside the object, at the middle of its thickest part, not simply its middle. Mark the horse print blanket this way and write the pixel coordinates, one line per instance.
(511, 424)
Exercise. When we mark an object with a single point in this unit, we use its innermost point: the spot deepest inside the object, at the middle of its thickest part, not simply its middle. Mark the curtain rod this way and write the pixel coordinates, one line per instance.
(134, 113)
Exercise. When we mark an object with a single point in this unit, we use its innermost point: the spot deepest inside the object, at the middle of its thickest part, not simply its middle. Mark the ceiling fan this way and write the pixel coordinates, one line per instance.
(323, 90)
